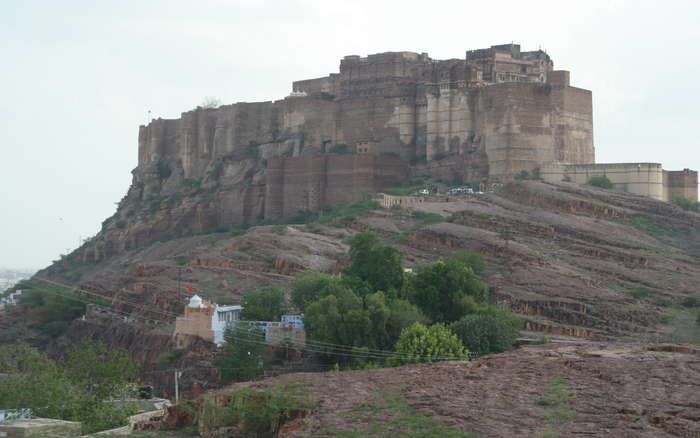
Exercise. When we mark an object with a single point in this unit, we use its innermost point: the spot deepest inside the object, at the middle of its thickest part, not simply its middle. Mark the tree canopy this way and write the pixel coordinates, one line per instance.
(490, 330)
(264, 304)
(75, 388)
(381, 266)
(241, 356)
(419, 343)
(446, 290)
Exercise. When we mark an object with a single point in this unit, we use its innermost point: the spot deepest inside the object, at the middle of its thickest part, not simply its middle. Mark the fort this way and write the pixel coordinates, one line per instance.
(488, 116)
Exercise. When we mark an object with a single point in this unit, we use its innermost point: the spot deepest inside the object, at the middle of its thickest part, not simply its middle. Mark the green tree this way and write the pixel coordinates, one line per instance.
(402, 314)
(312, 285)
(52, 309)
(80, 388)
(264, 304)
(241, 356)
(106, 371)
(491, 330)
(381, 266)
(338, 319)
(446, 290)
(419, 343)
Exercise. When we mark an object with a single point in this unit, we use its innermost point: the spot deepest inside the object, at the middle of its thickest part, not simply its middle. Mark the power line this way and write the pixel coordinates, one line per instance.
(134, 304)
(355, 354)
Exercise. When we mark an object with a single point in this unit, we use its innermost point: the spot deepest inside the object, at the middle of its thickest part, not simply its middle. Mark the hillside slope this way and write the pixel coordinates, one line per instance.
(565, 390)
(573, 261)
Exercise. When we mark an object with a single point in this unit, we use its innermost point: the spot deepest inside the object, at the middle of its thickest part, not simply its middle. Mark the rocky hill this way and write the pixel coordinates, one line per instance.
(563, 390)
(573, 261)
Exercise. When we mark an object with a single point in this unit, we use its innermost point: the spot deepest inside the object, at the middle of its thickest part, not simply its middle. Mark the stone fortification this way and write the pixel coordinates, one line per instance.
(486, 117)
(500, 110)
(647, 179)
(303, 184)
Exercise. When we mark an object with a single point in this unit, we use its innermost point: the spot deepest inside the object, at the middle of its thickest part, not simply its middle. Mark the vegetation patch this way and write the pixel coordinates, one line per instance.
(686, 204)
(258, 413)
(602, 182)
(404, 191)
(558, 410)
(392, 416)
(646, 225)
(425, 219)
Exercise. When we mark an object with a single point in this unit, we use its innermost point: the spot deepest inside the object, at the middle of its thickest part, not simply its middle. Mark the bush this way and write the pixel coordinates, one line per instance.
(691, 302)
(601, 181)
(492, 330)
(522, 175)
(640, 292)
(279, 229)
(340, 148)
(257, 413)
(121, 224)
(686, 204)
(439, 156)
(419, 343)
(663, 302)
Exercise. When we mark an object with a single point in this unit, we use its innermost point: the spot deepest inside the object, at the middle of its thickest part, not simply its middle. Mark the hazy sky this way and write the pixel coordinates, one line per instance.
(77, 78)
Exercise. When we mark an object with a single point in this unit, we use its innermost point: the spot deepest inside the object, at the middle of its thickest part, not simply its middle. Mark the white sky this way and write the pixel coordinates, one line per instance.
(78, 77)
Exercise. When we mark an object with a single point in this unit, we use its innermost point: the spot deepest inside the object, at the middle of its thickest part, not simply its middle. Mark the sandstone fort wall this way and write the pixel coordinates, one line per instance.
(302, 184)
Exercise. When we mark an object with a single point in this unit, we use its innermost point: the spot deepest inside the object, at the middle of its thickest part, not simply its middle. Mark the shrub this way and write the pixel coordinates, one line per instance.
(686, 204)
(542, 340)
(279, 229)
(640, 292)
(121, 224)
(492, 330)
(419, 343)
(237, 231)
(523, 175)
(191, 183)
(257, 413)
(663, 302)
(601, 181)
(691, 302)
(340, 148)
(439, 156)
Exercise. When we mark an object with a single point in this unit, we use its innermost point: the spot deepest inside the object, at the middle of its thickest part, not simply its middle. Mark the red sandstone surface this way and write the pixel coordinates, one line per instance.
(616, 390)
